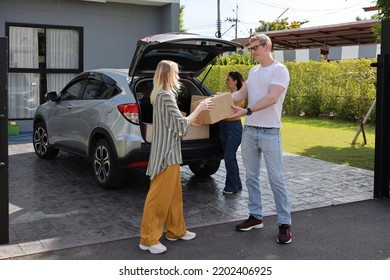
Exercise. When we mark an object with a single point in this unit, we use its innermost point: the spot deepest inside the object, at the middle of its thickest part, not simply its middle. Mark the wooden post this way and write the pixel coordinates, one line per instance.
(363, 122)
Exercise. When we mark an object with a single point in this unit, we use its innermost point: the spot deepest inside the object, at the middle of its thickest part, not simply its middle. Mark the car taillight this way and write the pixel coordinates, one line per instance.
(138, 164)
(130, 112)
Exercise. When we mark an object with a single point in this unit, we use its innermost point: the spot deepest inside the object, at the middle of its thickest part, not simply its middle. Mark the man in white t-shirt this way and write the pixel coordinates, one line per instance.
(265, 89)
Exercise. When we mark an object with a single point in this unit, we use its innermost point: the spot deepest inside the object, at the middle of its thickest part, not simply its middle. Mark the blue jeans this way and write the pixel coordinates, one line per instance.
(230, 134)
(255, 143)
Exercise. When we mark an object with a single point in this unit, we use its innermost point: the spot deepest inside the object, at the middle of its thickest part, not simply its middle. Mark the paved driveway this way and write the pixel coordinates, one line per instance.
(56, 204)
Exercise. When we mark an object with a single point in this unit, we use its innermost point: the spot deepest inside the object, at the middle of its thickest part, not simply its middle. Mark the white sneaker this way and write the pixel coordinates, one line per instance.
(188, 236)
(154, 249)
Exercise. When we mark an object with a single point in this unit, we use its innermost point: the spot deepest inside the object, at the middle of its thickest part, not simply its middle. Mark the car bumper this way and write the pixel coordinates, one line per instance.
(191, 153)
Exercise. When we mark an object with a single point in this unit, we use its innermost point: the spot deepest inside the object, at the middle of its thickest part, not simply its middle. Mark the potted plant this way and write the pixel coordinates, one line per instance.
(13, 129)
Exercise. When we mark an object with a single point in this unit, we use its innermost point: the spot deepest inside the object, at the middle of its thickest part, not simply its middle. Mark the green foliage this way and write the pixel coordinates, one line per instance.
(181, 20)
(383, 13)
(377, 29)
(235, 59)
(280, 24)
(384, 6)
(342, 89)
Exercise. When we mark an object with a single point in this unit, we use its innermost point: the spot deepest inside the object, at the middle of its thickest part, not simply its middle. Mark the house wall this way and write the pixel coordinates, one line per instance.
(110, 29)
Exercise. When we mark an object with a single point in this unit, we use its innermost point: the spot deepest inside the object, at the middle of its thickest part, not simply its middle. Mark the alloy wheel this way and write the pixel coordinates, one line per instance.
(40, 140)
(102, 164)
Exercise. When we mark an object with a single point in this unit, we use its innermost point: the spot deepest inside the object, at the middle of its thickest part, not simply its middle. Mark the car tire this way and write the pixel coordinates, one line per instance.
(107, 174)
(41, 142)
(205, 168)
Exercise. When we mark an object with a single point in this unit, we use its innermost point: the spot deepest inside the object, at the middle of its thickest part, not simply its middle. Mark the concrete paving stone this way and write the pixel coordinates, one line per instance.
(12, 250)
(24, 231)
(55, 243)
(31, 247)
(54, 205)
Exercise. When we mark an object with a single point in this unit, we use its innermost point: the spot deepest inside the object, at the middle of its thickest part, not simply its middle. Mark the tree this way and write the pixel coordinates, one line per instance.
(280, 24)
(384, 6)
(383, 13)
(181, 20)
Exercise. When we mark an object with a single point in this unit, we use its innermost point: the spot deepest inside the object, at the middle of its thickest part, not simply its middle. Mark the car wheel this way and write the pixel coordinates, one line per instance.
(105, 170)
(41, 142)
(205, 168)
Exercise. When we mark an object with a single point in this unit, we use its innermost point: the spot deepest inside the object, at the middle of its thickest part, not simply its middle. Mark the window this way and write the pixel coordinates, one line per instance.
(95, 90)
(73, 91)
(41, 59)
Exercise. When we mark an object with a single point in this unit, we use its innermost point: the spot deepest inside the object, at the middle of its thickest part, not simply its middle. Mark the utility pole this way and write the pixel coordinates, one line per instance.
(218, 33)
(235, 20)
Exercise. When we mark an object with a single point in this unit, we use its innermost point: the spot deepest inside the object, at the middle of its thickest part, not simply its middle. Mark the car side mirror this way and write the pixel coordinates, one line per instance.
(51, 96)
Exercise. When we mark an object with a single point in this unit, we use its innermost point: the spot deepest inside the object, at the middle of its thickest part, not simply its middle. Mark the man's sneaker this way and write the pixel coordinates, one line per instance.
(188, 236)
(154, 249)
(249, 224)
(284, 234)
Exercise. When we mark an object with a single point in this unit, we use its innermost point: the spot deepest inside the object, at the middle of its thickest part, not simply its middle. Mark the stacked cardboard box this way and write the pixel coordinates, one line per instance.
(201, 132)
(222, 108)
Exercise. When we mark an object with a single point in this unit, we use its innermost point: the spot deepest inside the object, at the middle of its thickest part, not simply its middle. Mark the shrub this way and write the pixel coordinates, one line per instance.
(343, 89)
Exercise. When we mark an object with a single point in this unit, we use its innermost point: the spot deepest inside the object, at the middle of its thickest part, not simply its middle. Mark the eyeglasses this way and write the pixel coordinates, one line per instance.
(255, 48)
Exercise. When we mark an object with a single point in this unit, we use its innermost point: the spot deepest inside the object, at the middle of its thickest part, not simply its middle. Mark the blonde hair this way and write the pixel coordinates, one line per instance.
(165, 79)
(262, 38)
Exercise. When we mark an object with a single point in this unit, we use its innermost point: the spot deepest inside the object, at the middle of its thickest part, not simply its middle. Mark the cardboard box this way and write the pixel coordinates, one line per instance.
(198, 132)
(201, 132)
(222, 108)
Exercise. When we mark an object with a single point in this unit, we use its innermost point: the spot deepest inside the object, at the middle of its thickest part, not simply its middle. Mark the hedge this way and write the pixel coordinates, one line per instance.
(343, 89)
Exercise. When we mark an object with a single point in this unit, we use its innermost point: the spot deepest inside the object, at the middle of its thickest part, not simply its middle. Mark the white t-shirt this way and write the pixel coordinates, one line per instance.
(258, 82)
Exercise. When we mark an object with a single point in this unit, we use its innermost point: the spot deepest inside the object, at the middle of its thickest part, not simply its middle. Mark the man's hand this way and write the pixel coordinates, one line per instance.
(239, 112)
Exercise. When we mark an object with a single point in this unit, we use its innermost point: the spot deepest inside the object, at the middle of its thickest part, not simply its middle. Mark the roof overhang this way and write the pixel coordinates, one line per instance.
(323, 37)
(138, 2)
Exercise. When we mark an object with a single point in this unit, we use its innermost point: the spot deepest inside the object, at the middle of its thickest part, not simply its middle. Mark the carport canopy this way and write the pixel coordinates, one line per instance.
(323, 37)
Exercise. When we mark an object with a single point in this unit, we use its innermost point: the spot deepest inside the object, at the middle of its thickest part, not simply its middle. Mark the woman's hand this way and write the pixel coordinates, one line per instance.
(206, 104)
(194, 122)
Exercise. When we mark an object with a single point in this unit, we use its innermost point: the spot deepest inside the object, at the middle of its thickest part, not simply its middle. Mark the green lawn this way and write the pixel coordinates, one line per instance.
(329, 140)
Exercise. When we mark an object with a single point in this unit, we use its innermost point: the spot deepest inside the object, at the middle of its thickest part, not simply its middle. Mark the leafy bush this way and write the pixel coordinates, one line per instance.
(343, 89)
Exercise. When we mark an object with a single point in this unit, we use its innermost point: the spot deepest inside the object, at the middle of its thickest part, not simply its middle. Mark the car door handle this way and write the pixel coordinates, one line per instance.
(69, 107)
(2, 164)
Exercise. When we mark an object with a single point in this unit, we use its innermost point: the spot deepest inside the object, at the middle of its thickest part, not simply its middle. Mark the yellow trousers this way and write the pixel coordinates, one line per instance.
(163, 206)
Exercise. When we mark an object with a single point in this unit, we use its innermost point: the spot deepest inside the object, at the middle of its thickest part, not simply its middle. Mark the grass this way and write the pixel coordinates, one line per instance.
(329, 140)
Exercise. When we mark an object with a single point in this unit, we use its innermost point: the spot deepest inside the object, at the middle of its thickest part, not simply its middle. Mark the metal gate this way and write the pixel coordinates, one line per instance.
(382, 130)
(4, 199)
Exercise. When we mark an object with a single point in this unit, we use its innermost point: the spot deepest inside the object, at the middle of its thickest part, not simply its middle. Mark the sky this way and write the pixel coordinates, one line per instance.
(200, 16)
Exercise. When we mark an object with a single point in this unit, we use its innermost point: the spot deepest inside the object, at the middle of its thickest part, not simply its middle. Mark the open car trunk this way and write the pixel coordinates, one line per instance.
(192, 53)
(188, 88)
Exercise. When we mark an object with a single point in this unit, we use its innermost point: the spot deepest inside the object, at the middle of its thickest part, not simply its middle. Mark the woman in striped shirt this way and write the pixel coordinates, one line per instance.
(164, 202)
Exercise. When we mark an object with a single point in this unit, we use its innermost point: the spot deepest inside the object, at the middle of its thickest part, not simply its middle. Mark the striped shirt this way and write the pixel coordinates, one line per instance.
(169, 126)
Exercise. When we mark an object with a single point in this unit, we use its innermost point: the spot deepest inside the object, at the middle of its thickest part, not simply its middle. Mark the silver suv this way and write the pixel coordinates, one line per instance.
(103, 114)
